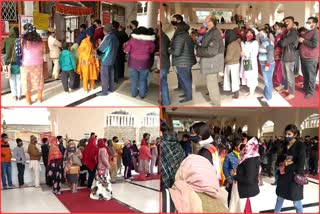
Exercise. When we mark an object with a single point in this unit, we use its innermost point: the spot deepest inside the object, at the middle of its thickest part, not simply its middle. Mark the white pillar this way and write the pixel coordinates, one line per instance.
(28, 8)
(152, 14)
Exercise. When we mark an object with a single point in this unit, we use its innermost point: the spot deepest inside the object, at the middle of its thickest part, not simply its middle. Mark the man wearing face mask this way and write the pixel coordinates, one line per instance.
(289, 43)
(309, 56)
(211, 53)
(19, 155)
(175, 19)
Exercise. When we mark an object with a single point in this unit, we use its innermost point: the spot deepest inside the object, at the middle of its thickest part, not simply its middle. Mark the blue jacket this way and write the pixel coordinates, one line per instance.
(109, 48)
(82, 35)
(231, 161)
(67, 61)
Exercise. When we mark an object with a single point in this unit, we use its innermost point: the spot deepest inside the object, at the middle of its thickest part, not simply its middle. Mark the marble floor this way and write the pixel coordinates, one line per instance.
(54, 95)
(201, 99)
(143, 197)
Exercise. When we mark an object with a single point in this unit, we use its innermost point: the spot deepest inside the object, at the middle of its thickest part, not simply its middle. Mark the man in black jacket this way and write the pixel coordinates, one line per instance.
(289, 44)
(164, 67)
(45, 155)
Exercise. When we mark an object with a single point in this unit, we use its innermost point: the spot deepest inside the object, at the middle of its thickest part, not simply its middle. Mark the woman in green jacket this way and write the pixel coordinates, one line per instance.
(8, 48)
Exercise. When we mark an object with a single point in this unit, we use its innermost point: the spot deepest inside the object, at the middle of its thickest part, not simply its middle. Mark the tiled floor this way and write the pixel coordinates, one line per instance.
(54, 95)
(201, 99)
(144, 199)
(42, 200)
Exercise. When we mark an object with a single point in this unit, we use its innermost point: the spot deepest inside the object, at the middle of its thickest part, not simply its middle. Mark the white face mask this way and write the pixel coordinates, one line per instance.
(308, 27)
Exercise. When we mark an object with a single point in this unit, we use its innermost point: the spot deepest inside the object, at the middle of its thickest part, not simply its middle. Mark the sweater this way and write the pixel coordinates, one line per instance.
(266, 53)
(8, 47)
(289, 44)
(140, 48)
(34, 152)
(309, 48)
(67, 61)
(144, 153)
(19, 155)
(5, 153)
(109, 48)
(32, 53)
(233, 53)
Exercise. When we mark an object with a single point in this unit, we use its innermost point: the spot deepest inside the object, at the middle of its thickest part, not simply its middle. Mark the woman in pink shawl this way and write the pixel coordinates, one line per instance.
(246, 177)
(196, 188)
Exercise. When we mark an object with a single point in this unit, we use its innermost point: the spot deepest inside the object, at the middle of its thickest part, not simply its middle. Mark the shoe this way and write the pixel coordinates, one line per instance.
(274, 183)
(289, 97)
(142, 98)
(40, 95)
(236, 95)
(182, 96)
(101, 94)
(177, 89)
(15, 98)
(308, 96)
(5, 187)
(11, 187)
(185, 100)
(128, 180)
(19, 98)
(279, 88)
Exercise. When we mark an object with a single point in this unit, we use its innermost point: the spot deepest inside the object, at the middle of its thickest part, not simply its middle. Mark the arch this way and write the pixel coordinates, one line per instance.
(267, 129)
(312, 121)
(279, 13)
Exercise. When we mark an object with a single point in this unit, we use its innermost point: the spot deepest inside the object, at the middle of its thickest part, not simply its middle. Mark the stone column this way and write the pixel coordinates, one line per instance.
(152, 14)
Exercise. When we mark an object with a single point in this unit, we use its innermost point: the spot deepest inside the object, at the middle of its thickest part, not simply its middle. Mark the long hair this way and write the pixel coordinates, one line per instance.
(230, 36)
(31, 35)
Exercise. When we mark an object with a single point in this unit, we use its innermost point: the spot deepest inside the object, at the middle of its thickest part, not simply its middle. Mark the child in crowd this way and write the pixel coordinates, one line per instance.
(68, 66)
(72, 166)
(19, 155)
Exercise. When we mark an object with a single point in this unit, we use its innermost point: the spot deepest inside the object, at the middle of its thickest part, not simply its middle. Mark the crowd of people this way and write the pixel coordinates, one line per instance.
(93, 163)
(239, 55)
(98, 54)
(208, 158)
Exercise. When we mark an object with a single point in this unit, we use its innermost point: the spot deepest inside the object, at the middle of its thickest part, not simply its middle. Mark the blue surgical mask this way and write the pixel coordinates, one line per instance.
(205, 24)
(261, 37)
(288, 139)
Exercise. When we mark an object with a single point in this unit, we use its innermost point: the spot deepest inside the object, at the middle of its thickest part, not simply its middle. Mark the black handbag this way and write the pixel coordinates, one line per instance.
(300, 179)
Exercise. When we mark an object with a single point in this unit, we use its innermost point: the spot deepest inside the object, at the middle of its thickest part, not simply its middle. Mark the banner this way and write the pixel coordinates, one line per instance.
(46, 135)
(106, 17)
(75, 11)
(41, 21)
(24, 20)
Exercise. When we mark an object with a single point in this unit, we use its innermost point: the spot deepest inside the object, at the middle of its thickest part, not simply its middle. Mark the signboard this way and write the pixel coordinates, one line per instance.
(41, 21)
(24, 20)
(106, 17)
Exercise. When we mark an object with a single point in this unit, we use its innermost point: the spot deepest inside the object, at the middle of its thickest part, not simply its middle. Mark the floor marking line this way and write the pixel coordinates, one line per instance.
(157, 190)
(284, 209)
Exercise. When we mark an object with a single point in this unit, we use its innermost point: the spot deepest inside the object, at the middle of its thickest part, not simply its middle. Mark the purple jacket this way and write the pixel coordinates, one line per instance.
(140, 48)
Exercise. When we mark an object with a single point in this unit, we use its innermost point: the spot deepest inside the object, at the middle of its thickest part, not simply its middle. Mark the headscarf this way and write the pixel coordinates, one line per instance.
(195, 175)
(101, 144)
(31, 29)
(250, 150)
(90, 154)
(54, 151)
(32, 138)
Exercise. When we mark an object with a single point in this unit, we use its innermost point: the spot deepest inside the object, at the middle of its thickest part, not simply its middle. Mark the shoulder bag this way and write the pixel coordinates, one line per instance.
(7, 68)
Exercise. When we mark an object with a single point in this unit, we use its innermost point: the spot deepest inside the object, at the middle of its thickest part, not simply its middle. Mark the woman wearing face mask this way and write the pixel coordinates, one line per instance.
(249, 63)
(290, 162)
(266, 59)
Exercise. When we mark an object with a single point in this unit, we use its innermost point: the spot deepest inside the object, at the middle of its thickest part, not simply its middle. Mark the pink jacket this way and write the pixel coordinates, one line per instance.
(32, 54)
(103, 159)
(144, 153)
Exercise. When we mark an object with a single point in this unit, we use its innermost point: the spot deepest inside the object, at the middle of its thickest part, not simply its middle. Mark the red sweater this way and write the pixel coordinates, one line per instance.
(144, 153)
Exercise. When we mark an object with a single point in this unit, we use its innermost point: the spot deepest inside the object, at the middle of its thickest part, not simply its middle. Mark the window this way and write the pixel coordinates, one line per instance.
(9, 11)
(310, 122)
(72, 24)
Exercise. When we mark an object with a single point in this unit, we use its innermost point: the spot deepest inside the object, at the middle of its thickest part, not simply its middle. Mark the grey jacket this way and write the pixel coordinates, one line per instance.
(182, 49)
(290, 44)
(19, 155)
(211, 52)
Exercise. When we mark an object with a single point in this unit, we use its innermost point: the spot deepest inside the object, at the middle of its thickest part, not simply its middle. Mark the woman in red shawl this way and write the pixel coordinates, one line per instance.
(90, 153)
(101, 188)
(55, 166)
